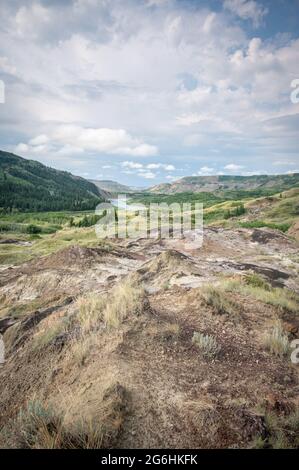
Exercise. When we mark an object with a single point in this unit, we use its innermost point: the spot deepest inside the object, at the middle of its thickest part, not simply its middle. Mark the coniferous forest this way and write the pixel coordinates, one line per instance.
(28, 185)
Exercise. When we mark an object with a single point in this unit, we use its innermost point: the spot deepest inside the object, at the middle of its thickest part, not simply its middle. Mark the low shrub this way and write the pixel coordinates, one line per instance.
(206, 344)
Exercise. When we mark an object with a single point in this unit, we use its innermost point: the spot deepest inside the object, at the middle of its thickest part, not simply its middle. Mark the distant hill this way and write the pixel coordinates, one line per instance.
(227, 182)
(28, 185)
(113, 187)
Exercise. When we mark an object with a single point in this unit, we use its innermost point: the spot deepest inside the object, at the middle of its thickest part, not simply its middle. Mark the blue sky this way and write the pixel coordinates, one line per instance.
(149, 91)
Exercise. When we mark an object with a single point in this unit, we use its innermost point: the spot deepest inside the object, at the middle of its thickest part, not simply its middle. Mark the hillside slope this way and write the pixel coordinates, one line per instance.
(112, 186)
(102, 344)
(227, 182)
(31, 186)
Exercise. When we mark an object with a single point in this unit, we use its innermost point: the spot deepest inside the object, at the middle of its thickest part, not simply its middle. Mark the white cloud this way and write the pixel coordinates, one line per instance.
(233, 167)
(132, 165)
(149, 175)
(149, 166)
(75, 139)
(246, 9)
(105, 78)
(170, 177)
(110, 141)
(39, 140)
(284, 163)
(205, 171)
(189, 119)
(156, 166)
(6, 67)
(21, 148)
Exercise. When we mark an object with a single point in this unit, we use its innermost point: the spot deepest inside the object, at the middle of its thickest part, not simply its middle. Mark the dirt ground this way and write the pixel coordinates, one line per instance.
(171, 395)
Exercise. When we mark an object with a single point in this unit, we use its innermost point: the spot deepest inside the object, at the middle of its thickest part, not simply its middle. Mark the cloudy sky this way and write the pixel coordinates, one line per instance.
(149, 91)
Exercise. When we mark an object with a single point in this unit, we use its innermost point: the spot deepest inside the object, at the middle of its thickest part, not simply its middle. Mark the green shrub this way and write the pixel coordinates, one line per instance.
(206, 344)
(255, 280)
(260, 224)
(33, 229)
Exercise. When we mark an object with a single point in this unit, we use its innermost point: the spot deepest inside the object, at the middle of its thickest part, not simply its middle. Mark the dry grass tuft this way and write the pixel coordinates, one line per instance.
(40, 426)
(255, 286)
(110, 309)
(276, 341)
(50, 333)
(217, 298)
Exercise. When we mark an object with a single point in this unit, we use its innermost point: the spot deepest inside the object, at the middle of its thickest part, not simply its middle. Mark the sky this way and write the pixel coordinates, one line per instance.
(149, 91)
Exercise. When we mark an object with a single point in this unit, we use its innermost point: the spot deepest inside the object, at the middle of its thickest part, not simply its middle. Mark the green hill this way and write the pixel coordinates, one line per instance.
(220, 183)
(28, 185)
(112, 187)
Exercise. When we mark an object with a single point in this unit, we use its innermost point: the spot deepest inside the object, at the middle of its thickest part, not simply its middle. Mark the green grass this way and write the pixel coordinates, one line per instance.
(256, 280)
(260, 224)
(282, 431)
(283, 300)
(51, 231)
(50, 238)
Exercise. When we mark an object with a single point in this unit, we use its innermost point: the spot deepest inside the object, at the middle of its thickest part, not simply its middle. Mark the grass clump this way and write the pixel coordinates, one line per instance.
(41, 427)
(110, 309)
(255, 286)
(282, 432)
(206, 344)
(255, 280)
(284, 227)
(282, 299)
(50, 334)
(276, 341)
(216, 297)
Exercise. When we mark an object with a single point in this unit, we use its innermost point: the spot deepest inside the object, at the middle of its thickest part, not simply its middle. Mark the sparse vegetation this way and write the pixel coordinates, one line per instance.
(276, 341)
(217, 298)
(50, 333)
(154, 343)
(255, 280)
(40, 426)
(282, 430)
(206, 344)
(126, 297)
(255, 286)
